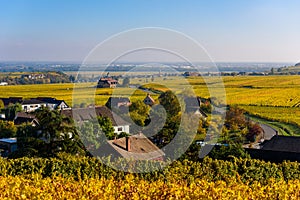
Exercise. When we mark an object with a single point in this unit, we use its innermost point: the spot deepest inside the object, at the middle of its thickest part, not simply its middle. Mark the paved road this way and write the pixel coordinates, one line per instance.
(269, 131)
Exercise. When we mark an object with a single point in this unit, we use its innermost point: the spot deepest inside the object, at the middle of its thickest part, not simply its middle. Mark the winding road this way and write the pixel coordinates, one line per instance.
(269, 131)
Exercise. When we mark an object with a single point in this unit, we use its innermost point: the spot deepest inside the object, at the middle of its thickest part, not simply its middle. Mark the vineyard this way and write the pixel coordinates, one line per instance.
(133, 188)
(270, 97)
(69, 177)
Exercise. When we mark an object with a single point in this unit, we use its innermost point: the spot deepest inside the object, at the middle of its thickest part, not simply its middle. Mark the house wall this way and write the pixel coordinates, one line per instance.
(32, 107)
(51, 106)
(61, 106)
(273, 156)
(124, 129)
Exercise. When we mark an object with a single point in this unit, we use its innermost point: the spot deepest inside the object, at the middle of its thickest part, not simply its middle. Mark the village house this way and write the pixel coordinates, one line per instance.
(192, 106)
(31, 105)
(187, 74)
(117, 102)
(23, 117)
(135, 147)
(3, 83)
(277, 149)
(107, 83)
(85, 114)
(149, 100)
(33, 76)
(53, 103)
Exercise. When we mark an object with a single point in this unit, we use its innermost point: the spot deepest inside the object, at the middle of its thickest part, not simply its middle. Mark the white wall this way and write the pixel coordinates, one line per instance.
(124, 129)
(31, 107)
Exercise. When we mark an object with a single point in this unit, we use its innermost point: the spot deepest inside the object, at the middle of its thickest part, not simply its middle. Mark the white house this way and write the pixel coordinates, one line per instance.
(3, 83)
(53, 103)
(32, 105)
(86, 114)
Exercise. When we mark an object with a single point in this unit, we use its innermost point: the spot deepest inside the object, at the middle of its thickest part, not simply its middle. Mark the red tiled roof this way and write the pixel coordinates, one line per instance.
(141, 148)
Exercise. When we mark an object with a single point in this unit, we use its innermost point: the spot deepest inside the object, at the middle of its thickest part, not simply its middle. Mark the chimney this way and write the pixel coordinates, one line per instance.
(128, 144)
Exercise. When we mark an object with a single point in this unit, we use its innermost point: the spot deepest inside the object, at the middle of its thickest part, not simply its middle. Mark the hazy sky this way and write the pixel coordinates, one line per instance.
(231, 30)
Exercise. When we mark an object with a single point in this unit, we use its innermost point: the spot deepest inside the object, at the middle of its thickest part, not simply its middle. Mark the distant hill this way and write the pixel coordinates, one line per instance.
(24, 78)
(289, 70)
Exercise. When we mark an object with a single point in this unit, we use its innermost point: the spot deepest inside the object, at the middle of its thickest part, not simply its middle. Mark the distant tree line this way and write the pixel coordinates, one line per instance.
(37, 78)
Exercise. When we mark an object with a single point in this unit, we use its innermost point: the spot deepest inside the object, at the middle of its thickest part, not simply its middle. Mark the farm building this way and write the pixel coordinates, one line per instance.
(107, 83)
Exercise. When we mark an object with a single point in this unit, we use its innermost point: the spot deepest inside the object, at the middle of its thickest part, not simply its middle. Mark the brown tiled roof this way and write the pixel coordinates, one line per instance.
(22, 117)
(141, 148)
(283, 143)
(85, 114)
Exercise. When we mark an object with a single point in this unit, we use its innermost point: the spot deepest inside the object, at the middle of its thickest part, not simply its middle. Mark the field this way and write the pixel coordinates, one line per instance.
(85, 92)
(273, 97)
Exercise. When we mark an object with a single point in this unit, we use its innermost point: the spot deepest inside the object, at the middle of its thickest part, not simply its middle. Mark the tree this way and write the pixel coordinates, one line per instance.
(272, 71)
(139, 112)
(58, 133)
(7, 129)
(11, 111)
(126, 82)
(255, 132)
(227, 152)
(72, 78)
(170, 102)
(1, 104)
(171, 105)
(29, 144)
(235, 118)
(106, 127)
(91, 135)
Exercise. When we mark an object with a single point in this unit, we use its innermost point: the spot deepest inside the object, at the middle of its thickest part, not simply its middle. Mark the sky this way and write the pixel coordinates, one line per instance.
(229, 31)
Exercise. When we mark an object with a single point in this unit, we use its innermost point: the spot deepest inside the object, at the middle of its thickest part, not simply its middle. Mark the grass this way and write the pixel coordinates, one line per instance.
(282, 128)
(282, 114)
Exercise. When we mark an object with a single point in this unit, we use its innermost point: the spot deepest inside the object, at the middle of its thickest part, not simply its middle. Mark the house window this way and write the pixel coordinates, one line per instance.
(120, 129)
